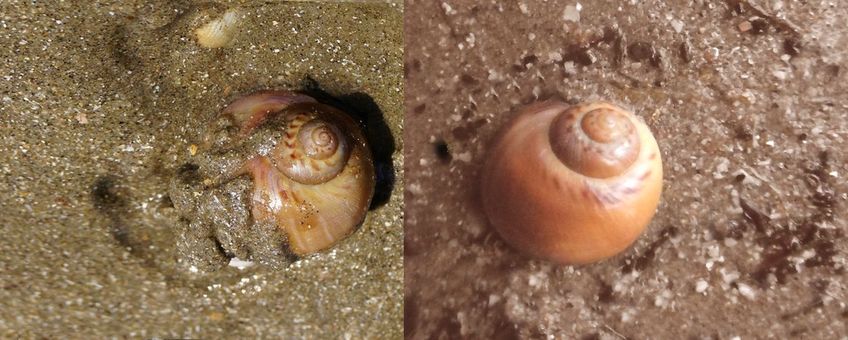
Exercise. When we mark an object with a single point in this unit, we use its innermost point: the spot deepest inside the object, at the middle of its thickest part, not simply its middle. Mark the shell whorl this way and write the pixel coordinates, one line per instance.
(597, 140)
(313, 149)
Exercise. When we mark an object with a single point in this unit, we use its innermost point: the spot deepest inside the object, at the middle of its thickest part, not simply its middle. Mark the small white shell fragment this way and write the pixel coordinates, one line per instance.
(240, 264)
(218, 32)
(570, 68)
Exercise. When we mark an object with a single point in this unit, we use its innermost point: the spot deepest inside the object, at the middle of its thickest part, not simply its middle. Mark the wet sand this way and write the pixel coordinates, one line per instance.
(116, 93)
(747, 100)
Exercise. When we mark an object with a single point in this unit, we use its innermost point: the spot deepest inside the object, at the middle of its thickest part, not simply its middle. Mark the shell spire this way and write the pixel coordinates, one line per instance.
(313, 150)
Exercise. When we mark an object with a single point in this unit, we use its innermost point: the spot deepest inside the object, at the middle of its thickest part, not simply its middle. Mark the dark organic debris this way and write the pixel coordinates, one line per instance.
(792, 46)
(605, 292)
(467, 131)
(468, 80)
(754, 216)
(644, 52)
(640, 262)
(580, 55)
(759, 26)
(781, 241)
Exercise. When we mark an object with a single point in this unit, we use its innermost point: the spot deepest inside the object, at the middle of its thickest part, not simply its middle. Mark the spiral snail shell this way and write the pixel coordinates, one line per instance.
(312, 172)
(572, 185)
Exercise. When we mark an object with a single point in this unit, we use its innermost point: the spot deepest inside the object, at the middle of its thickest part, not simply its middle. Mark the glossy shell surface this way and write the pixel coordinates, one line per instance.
(588, 208)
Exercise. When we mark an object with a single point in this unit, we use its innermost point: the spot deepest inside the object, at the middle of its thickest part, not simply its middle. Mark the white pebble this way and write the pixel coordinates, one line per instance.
(523, 7)
(713, 251)
(448, 9)
(493, 299)
(721, 167)
(677, 25)
(571, 13)
(701, 286)
(729, 276)
(535, 280)
(746, 291)
(569, 68)
(240, 264)
(555, 57)
(465, 156)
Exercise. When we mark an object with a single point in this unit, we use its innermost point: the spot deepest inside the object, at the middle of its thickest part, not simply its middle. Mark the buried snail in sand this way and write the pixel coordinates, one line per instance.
(574, 184)
(277, 175)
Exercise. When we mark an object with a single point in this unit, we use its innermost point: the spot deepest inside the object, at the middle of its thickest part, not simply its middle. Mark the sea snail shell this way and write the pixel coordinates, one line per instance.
(573, 185)
(315, 181)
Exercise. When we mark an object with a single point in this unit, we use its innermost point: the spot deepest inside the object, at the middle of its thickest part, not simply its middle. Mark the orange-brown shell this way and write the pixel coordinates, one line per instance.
(587, 208)
(316, 184)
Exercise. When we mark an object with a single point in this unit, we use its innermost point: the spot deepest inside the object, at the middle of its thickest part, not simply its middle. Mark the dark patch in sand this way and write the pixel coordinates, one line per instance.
(466, 131)
(644, 52)
(448, 326)
(110, 199)
(442, 151)
(640, 262)
(605, 292)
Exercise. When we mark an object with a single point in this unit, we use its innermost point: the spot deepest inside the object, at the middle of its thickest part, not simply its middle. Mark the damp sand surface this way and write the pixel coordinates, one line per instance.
(747, 100)
(103, 101)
